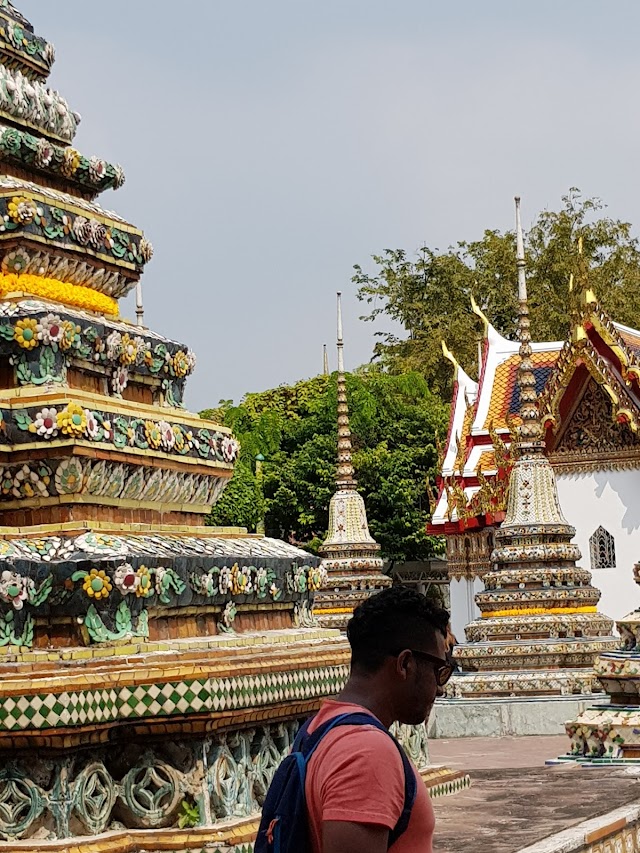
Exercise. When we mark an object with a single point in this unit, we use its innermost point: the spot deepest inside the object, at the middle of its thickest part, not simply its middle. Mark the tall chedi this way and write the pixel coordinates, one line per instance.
(539, 631)
(351, 555)
(153, 671)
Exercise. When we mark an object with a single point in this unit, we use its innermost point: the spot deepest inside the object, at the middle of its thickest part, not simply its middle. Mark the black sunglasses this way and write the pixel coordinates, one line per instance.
(442, 669)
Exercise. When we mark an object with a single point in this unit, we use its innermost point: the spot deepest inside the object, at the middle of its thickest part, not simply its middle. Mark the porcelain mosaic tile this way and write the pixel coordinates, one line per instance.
(79, 708)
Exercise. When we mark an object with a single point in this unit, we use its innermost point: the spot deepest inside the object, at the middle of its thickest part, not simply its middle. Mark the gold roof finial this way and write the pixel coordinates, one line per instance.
(477, 310)
(581, 276)
(450, 356)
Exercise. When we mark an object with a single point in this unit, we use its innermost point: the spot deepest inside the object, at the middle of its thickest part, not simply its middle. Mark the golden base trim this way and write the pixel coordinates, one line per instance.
(136, 840)
(536, 611)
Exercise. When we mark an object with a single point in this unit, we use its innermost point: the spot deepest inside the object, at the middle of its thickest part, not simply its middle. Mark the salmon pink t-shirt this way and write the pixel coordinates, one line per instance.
(356, 775)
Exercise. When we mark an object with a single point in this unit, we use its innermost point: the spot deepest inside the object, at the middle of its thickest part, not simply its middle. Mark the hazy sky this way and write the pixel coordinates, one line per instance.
(271, 144)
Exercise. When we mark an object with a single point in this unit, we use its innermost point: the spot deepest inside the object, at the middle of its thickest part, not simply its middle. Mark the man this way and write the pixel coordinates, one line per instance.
(355, 783)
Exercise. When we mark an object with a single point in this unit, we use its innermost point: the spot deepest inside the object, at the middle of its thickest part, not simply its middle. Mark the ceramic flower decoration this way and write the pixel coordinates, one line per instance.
(127, 579)
(50, 329)
(119, 380)
(14, 589)
(46, 423)
(26, 333)
(72, 420)
(97, 584)
(22, 210)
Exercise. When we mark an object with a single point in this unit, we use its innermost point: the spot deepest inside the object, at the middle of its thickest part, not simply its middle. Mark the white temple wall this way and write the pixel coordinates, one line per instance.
(608, 499)
(463, 605)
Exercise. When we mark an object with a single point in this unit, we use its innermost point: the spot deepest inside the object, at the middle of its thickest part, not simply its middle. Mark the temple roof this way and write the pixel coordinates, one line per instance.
(487, 411)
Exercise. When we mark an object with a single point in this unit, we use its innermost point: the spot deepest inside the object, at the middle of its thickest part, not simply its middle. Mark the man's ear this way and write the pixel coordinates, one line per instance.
(402, 664)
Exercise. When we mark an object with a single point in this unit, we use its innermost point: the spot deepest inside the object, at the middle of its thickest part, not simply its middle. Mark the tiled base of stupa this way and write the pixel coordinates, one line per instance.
(606, 735)
(509, 716)
(156, 722)
(612, 734)
(165, 745)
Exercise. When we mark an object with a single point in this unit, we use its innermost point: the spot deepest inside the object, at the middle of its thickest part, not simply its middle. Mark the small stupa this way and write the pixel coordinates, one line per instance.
(351, 555)
(606, 733)
(539, 631)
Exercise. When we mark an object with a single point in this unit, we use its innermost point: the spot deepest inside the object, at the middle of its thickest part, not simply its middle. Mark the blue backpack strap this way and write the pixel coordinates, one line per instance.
(410, 793)
(306, 744)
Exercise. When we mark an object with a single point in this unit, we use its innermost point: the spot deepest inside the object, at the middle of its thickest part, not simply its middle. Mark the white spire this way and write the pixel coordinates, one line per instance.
(340, 340)
(522, 278)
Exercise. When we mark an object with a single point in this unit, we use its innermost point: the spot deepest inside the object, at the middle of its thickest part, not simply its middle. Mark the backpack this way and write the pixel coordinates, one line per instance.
(284, 827)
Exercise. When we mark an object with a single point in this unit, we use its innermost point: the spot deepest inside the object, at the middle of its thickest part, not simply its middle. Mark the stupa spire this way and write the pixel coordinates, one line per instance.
(533, 491)
(529, 434)
(351, 555)
(345, 478)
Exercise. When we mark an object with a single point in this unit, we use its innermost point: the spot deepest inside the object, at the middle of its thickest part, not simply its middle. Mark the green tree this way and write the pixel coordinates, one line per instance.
(429, 295)
(394, 421)
(242, 502)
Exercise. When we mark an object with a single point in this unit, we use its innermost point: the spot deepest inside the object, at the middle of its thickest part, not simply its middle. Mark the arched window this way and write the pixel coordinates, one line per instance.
(602, 547)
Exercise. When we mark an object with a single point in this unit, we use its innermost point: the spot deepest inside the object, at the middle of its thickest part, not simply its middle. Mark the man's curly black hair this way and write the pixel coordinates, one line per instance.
(394, 619)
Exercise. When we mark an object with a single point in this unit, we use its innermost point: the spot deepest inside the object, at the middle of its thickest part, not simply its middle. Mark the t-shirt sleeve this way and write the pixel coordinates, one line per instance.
(360, 778)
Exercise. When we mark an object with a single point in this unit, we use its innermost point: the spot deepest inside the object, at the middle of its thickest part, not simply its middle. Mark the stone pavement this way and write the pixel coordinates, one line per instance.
(514, 799)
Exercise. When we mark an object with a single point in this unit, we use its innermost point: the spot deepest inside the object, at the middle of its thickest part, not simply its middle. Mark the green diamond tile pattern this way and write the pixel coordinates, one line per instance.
(208, 695)
(242, 848)
(450, 787)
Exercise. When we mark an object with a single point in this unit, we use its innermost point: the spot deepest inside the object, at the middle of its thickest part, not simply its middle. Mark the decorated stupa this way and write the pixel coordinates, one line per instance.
(611, 733)
(351, 556)
(153, 671)
(539, 632)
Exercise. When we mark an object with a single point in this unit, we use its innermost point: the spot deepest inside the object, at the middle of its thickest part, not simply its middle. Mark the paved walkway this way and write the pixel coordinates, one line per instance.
(490, 753)
(514, 799)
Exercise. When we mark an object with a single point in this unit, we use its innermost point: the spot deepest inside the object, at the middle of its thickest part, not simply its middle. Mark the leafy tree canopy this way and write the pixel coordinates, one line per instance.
(430, 294)
(394, 421)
